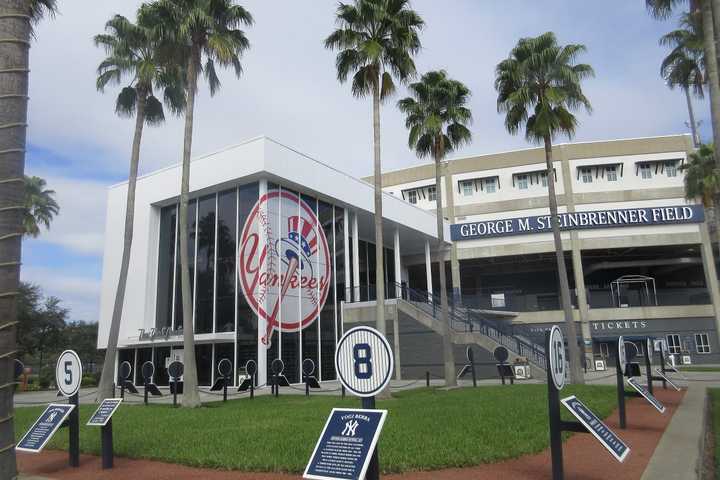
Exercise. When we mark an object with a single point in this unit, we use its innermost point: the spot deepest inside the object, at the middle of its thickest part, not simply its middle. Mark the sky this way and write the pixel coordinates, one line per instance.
(289, 92)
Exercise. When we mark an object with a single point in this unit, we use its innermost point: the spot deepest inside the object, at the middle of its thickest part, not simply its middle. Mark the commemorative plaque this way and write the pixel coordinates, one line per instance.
(346, 444)
(595, 425)
(646, 395)
(666, 379)
(104, 412)
(44, 427)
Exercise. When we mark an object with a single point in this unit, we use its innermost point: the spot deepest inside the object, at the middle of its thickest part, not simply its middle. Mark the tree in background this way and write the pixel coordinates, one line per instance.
(684, 66)
(437, 117)
(133, 55)
(40, 206)
(702, 178)
(377, 40)
(40, 323)
(538, 86)
(208, 33)
(17, 18)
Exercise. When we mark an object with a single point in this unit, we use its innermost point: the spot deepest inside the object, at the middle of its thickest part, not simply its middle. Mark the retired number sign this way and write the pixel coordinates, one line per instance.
(557, 357)
(68, 373)
(364, 361)
(622, 356)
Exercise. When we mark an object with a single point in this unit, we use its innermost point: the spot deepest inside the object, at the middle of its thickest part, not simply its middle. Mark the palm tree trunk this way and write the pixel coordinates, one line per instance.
(191, 397)
(448, 357)
(709, 24)
(377, 169)
(576, 373)
(691, 115)
(105, 389)
(14, 47)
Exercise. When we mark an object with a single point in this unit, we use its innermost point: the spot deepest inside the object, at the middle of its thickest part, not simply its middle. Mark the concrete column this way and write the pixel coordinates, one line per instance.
(398, 268)
(449, 189)
(428, 269)
(711, 278)
(346, 242)
(261, 348)
(356, 259)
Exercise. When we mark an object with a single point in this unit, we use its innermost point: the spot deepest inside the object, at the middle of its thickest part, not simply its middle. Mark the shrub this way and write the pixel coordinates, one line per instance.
(47, 378)
(89, 380)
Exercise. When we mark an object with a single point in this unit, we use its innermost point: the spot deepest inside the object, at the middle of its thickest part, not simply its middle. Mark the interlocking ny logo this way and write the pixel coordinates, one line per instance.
(350, 427)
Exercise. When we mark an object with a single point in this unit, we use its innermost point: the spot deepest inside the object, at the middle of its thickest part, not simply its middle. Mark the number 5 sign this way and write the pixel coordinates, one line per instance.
(364, 361)
(68, 373)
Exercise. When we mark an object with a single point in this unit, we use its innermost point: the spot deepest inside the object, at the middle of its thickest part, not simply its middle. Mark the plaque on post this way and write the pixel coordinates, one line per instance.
(103, 418)
(501, 354)
(346, 444)
(44, 427)
(124, 372)
(666, 379)
(600, 431)
(249, 381)
(308, 368)
(176, 370)
(278, 379)
(646, 395)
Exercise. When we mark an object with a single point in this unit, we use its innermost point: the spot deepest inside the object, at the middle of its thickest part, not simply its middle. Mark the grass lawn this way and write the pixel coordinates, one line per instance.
(698, 368)
(425, 429)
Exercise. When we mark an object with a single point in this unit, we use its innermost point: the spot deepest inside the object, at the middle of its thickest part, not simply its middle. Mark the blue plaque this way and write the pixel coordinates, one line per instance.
(104, 412)
(346, 444)
(648, 396)
(44, 427)
(594, 425)
(665, 377)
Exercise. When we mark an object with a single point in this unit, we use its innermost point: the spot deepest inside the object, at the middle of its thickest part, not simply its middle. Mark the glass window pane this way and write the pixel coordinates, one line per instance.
(143, 355)
(203, 357)
(192, 219)
(327, 313)
(224, 350)
(205, 265)
(161, 374)
(247, 321)
(166, 260)
(340, 287)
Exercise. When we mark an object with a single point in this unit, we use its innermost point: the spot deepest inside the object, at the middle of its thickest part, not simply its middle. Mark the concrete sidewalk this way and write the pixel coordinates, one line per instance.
(678, 453)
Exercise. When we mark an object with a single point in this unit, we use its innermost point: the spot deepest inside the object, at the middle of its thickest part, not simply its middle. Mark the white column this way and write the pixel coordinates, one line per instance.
(356, 260)
(346, 246)
(398, 270)
(261, 348)
(428, 269)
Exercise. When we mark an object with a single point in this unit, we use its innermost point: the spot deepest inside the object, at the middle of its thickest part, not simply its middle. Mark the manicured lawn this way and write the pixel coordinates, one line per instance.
(715, 399)
(698, 368)
(426, 429)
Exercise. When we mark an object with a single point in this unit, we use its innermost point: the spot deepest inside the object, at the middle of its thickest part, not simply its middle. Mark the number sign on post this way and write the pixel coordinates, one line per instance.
(68, 376)
(557, 357)
(364, 361)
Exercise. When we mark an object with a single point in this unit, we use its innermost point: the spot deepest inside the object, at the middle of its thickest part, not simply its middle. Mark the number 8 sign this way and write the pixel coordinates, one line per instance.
(364, 361)
(557, 357)
(68, 373)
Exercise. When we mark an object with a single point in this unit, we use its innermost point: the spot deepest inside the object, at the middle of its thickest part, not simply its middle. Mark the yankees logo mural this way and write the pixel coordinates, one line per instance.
(283, 263)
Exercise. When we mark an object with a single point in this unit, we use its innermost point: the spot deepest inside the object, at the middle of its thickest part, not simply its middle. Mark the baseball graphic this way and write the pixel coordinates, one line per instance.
(283, 263)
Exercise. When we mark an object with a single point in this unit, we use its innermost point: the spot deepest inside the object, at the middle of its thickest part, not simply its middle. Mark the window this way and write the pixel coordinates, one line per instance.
(645, 171)
(674, 344)
(522, 182)
(702, 343)
(611, 172)
(490, 185)
(586, 174)
(432, 193)
(412, 196)
(543, 179)
(467, 187)
(671, 169)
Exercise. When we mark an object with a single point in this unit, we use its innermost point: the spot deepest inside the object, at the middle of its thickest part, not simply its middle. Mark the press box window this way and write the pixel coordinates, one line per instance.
(611, 173)
(432, 194)
(645, 171)
(671, 169)
(674, 344)
(586, 175)
(522, 182)
(702, 343)
(490, 185)
(467, 187)
(412, 196)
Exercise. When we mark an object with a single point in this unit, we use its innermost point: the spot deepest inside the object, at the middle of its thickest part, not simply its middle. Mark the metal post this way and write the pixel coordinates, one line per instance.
(252, 389)
(106, 438)
(427, 379)
(74, 432)
(472, 367)
(620, 391)
(648, 370)
(277, 387)
(122, 390)
(373, 471)
(307, 386)
(145, 391)
(554, 413)
(662, 367)
(225, 384)
(175, 389)
(343, 390)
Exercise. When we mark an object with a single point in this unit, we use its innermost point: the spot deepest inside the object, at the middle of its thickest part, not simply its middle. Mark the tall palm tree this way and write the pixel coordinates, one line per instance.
(208, 33)
(133, 55)
(17, 18)
(538, 87)
(40, 206)
(684, 66)
(437, 117)
(702, 178)
(376, 41)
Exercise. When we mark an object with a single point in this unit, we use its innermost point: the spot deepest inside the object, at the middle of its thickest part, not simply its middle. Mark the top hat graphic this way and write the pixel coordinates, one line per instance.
(300, 243)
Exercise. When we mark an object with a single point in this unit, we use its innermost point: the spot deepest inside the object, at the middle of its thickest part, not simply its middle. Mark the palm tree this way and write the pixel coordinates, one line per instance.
(684, 66)
(376, 40)
(133, 54)
(437, 117)
(207, 33)
(40, 206)
(538, 86)
(702, 178)
(17, 18)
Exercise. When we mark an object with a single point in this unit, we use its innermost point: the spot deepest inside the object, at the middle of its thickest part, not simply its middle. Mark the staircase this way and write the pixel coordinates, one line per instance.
(470, 327)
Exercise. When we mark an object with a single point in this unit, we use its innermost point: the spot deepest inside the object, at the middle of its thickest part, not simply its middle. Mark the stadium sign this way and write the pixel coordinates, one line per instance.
(609, 218)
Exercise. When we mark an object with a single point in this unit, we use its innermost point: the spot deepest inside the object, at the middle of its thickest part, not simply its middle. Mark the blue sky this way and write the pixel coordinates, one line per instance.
(289, 92)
